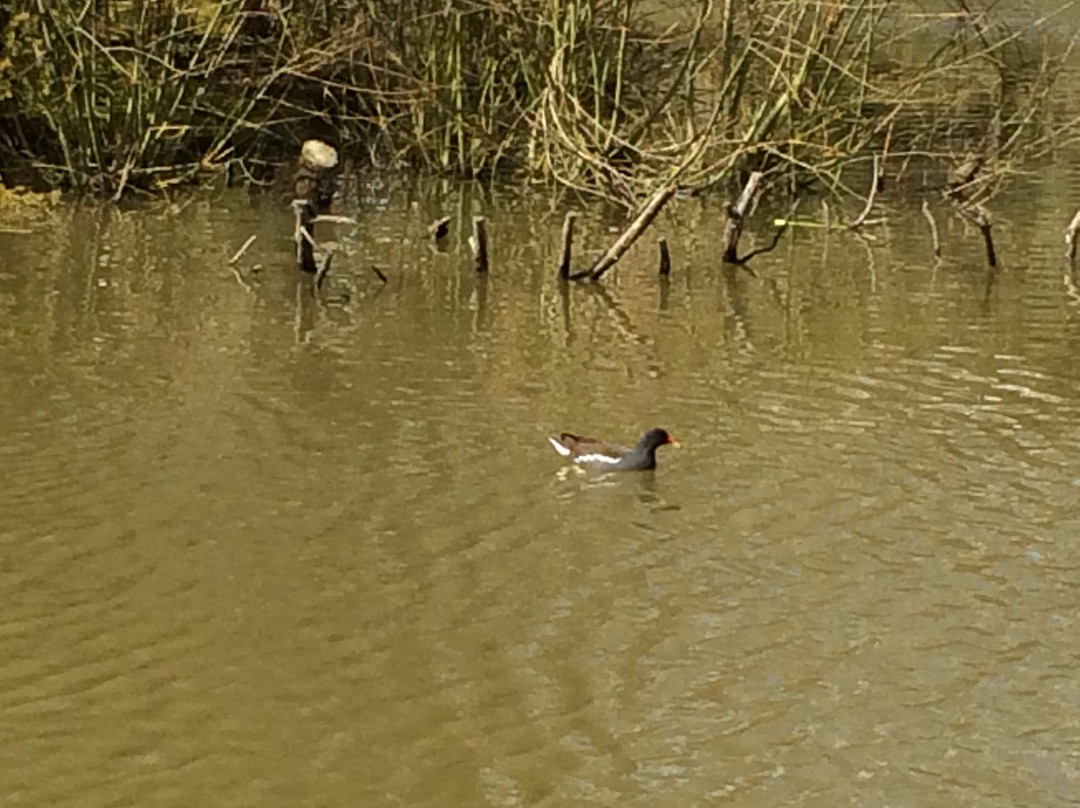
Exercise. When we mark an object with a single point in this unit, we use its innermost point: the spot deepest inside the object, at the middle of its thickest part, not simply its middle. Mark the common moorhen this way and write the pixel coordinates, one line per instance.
(592, 452)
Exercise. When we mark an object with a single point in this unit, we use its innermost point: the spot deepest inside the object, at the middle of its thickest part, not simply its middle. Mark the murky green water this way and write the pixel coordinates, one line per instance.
(261, 549)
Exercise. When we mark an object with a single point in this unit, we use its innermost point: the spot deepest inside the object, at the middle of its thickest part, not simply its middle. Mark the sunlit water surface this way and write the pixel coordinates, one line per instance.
(267, 548)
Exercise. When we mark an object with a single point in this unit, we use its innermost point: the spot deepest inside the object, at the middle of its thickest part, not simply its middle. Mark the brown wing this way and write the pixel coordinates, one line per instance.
(582, 448)
(572, 441)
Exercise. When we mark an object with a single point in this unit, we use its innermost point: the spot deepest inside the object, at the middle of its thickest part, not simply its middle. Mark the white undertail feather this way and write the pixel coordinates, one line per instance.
(559, 447)
(595, 458)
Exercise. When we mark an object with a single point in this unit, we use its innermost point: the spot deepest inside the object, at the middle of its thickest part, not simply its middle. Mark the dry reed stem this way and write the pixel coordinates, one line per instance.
(592, 96)
(860, 220)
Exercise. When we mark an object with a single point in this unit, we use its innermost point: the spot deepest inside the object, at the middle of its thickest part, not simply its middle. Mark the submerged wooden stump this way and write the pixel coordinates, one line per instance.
(315, 184)
(980, 217)
(567, 245)
(478, 242)
(1070, 239)
(665, 256)
(737, 218)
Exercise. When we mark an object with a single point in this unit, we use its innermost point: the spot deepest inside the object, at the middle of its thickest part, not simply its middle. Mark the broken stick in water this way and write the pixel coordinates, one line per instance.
(478, 242)
(242, 250)
(962, 176)
(315, 183)
(1070, 238)
(240, 279)
(665, 256)
(935, 241)
(737, 218)
(628, 237)
(980, 217)
(567, 245)
(439, 228)
(324, 270)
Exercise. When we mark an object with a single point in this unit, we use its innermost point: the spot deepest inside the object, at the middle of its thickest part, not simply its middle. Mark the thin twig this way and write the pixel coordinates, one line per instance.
(860, 220)
(240, 279)
(243, 249)
(934, 240)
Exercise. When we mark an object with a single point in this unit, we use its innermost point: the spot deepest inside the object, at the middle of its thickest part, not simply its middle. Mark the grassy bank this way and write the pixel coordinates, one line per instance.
(614, 97)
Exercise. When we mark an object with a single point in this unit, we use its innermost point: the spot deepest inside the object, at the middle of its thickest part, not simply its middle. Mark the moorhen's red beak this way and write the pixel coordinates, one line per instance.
(672, 441)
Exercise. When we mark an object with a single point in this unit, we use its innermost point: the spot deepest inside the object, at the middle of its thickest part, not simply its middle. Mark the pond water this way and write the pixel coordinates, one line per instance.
(267, 548)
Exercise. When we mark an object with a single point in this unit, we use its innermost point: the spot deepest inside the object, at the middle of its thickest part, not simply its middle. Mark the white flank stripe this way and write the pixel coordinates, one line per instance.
(559, 447)
(595, 458)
